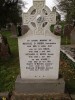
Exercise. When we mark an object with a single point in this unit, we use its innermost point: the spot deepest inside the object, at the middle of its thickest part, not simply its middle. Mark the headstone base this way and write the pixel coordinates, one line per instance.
(31, 86)
(50, 96)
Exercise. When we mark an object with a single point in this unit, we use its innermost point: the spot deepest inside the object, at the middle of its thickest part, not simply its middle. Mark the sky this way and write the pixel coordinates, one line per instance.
(49, 3)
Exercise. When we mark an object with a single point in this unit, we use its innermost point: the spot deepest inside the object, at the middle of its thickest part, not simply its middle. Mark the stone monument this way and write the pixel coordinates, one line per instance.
(57, 29)
(73, 36)
(67, 30)
(13, 30)
(25, 29)
(39, 52)
(4, 48)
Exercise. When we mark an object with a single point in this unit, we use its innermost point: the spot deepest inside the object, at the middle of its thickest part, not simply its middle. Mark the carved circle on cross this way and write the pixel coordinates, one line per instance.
(39, 19)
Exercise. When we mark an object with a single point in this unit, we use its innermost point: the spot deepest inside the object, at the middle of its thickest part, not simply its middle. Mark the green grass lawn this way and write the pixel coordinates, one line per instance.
(67, 69)
(9, 69)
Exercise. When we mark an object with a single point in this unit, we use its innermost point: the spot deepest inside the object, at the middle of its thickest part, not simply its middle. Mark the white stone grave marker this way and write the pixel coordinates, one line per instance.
(39, 49)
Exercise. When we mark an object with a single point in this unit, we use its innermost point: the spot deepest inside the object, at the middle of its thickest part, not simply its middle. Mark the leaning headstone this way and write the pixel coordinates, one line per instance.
(39, 53)
(13, 30)
(73, 36)
(25, 29)
(57, 29)
(19, 30)
(4, 48)
(67, 30)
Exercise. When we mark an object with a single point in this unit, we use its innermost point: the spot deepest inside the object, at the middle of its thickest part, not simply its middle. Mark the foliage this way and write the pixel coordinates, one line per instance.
(68, 7)
(9, 11)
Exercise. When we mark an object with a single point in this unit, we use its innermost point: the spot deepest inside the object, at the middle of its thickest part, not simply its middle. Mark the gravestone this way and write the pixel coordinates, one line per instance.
(25, 29)
(13, 30)
(57, 29)
(73, 36)
(4, 48)
(39, 52)
(67, 30)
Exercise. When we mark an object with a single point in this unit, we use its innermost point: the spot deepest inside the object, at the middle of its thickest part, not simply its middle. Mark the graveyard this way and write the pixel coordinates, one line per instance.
(39, 63)
(10, 68)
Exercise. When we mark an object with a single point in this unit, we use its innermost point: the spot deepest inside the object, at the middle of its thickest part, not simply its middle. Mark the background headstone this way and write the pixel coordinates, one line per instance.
(57, 29)
(73, 36)
(25, 29)
(4, 48)
(67, 30)
(13, 30)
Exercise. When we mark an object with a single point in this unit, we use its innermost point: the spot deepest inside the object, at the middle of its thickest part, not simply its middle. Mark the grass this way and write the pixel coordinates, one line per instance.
(67, 69)
(65, 40)
(9, 69)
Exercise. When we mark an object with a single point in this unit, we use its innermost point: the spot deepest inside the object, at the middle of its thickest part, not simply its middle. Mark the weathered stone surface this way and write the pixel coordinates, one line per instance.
(57, 29)
(73, 36)
(49, 96)
(39, 86)
(39, 48)
(13, 30)
(39, 52)
(25, 29)
(67, 30)
(4, 48)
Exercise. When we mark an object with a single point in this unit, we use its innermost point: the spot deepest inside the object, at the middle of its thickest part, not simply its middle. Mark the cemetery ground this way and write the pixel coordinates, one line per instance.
(9, 69)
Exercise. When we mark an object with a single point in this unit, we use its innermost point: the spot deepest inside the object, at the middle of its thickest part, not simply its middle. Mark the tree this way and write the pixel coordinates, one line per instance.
(68, 7)
(9, 12)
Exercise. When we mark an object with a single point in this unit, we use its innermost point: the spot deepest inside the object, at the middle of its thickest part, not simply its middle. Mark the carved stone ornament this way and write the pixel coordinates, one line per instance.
(39, 17)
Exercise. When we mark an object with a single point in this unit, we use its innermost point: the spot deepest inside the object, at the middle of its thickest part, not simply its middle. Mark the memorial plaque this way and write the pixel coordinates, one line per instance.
(39, 57)
(39, 49)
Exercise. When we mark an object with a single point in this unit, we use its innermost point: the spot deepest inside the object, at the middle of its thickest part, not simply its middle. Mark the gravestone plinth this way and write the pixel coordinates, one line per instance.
(37, 86)
(39, 52)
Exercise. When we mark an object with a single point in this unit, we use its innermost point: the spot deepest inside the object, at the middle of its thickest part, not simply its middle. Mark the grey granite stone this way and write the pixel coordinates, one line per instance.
(39, 86)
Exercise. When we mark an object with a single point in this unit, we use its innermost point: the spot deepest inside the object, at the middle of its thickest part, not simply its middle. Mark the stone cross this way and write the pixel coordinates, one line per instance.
(39, 52)
(39, 48)
(39, 17)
